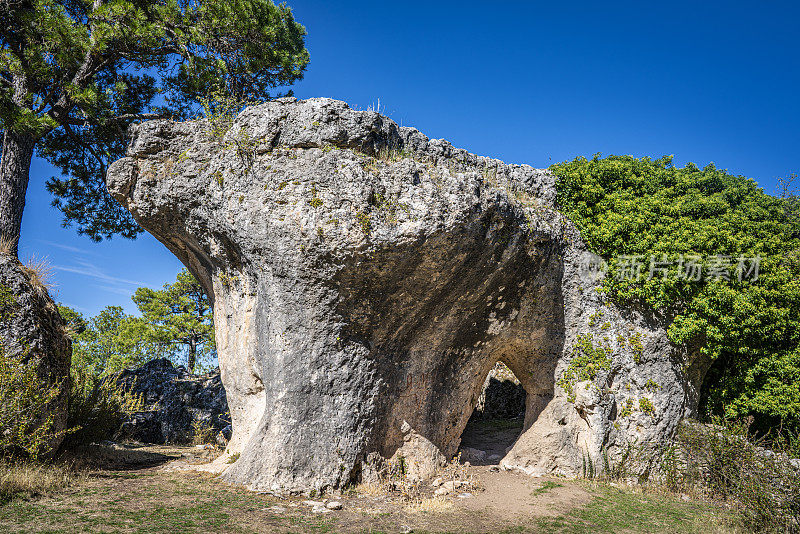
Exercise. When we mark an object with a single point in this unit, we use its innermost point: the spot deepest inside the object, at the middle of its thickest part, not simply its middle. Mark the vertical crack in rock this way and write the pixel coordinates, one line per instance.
(366, 279)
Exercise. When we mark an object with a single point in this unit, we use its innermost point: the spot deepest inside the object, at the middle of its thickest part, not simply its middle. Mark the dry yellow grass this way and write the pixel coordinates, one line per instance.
(430, 504)
(39, 273)
(7, 244)
(371, 489)
(27, 479)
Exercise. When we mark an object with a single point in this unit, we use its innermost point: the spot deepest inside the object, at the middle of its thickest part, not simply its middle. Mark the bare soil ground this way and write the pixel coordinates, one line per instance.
(148, 489)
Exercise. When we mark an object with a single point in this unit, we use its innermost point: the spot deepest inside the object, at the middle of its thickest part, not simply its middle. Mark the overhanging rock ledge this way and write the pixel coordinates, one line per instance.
(365, 280)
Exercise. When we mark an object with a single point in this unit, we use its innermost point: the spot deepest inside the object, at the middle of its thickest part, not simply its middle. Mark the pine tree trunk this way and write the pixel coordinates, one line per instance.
(192, 356)
(15, 167)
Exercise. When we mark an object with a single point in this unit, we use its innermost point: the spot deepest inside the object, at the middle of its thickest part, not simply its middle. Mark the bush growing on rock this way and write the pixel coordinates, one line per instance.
(34, 365)
(634, 209)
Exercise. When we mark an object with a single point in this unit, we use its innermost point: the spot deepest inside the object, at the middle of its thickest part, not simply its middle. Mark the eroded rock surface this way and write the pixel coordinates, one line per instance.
(365, 280)
(32, 331)
(176, 405)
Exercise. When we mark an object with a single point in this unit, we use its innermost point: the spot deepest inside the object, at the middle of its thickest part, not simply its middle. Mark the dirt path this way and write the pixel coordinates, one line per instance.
(150, 490)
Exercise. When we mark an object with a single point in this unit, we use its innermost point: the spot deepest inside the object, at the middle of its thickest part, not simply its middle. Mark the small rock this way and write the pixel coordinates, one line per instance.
(465, 495)
(685, 497)
(494, 469)
(405, 529)
(437, 482)
(453, 484)
(276, 509)
(320, 510)
(314, 503)
(333, 505)
(468, 454)
(441, 491)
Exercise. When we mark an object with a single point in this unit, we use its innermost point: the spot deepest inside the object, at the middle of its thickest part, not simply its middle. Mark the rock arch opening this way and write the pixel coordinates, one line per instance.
(497, 418)
(364, 326)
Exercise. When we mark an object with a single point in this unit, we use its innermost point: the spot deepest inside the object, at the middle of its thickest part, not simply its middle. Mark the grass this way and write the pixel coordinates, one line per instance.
(7, 244)
(24, 480)
(545, 487)
(39, 273)
(614, 510)
(140, 498)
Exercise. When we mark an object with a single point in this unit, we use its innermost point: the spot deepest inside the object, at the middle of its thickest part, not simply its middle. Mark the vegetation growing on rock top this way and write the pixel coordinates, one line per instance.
(750, 329)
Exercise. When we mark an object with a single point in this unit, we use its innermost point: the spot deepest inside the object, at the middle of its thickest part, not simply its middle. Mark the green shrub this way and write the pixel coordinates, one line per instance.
(26, 417)
(97, 408)
(750, 329)
(202, 432)
(723, 462)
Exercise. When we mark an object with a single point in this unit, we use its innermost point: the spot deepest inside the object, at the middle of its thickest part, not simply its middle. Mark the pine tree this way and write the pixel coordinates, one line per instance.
(74, 74)
(179, 316)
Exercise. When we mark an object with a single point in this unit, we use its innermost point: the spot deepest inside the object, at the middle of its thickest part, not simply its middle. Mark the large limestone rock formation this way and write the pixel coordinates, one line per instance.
(366, 279)
(34, 334)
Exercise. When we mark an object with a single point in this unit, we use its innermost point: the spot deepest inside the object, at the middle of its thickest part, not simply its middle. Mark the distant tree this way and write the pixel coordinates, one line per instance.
(179, 316)
(75, 74)
(110, 341)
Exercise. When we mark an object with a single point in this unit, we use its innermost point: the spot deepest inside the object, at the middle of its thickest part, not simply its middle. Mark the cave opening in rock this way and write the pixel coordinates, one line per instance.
(497, 418)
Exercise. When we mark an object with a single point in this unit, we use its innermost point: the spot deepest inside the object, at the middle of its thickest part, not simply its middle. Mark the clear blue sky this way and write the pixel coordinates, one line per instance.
(527, 82)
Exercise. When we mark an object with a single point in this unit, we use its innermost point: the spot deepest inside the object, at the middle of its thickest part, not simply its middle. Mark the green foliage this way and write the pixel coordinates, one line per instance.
(364, 222)
(646, 406)
(180, 317)
(77, 73)
(750, 329)
(97, 408)
(587, 360)
(26, 417)
(202, 432)
(627, 409)
(110, 341)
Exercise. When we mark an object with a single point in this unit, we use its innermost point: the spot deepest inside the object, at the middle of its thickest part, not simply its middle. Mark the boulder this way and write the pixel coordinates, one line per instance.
(174, 401)
(32, 330)
(366, 279)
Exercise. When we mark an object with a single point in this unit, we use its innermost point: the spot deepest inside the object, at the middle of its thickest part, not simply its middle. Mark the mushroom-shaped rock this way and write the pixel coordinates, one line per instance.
(366, 279)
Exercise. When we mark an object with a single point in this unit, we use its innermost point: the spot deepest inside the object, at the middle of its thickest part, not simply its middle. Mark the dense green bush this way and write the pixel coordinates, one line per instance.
(627, 207)
(26, 419)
